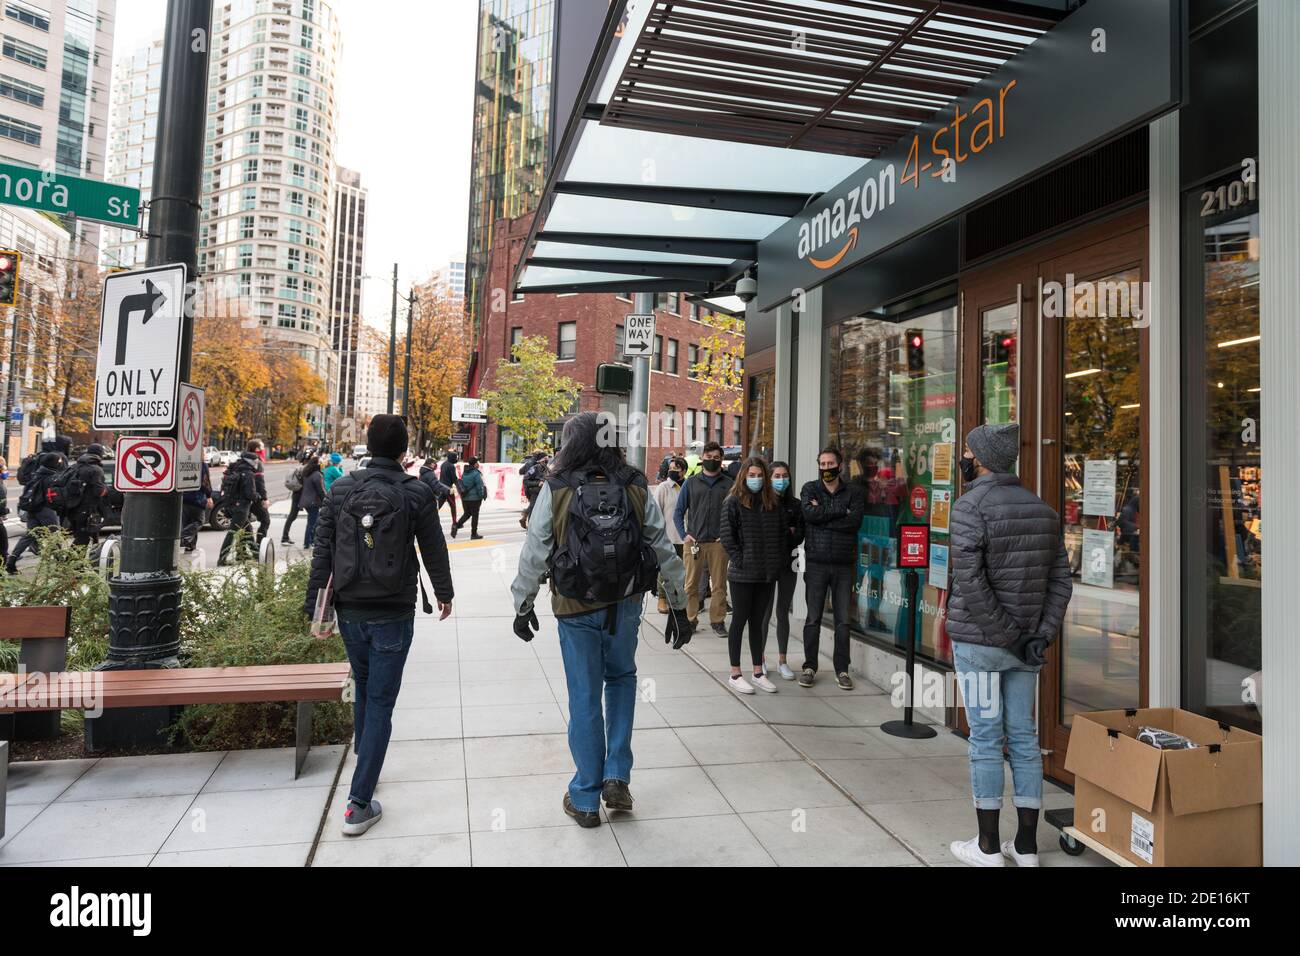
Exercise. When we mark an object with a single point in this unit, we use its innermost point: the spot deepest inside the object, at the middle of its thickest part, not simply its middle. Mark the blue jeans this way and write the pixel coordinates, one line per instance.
(596, 660)
(312, 515)
(377, 649)
(999, 691)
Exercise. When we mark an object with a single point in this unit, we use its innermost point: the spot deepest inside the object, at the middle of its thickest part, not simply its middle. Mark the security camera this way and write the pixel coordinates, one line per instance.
(746, 288)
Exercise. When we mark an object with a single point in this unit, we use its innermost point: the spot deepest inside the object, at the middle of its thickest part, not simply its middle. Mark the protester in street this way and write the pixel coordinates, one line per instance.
(597, 598)
(375, 599)
(472, 494)
(783, 594)
(429, 475)
(260, 508)
(82, 494)
(832, 513)
(313, 496)
(194, 507)
(698, 517)
(35, 475)
(243, 492)
(666, 493)
(1010, 590)
(449, 478)
(533, 471)
(753, 533)
(334, 471)
(294, 485)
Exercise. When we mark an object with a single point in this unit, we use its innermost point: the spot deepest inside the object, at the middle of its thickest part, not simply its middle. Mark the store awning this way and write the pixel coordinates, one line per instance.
(705, 125)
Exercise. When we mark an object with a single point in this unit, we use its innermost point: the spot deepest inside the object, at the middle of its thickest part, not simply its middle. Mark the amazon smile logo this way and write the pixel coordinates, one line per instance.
(838, 224)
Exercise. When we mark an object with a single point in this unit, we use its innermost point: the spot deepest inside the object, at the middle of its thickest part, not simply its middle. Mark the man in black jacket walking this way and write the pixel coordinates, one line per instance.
(832, 514)
(243, 492)
(376, 612)
(86, 515)
(35, 476)
(448, 477)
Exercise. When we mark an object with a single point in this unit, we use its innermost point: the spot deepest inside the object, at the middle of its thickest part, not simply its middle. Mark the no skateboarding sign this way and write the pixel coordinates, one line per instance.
(145, 464)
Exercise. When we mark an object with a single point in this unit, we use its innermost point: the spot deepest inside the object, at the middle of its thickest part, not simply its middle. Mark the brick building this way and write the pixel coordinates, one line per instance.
(585, 330)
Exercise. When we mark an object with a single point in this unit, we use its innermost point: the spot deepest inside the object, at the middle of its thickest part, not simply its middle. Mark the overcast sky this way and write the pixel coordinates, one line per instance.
(405, 92)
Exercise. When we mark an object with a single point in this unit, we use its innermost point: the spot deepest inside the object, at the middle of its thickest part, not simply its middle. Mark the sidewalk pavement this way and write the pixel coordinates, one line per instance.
(479, 763)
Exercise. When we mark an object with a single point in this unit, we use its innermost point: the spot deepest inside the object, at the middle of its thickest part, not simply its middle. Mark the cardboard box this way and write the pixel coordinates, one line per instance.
(1200, 807)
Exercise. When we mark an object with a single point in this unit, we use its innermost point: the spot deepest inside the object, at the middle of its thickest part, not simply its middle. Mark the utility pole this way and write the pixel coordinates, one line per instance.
(638, 420)
(392, 344)
(12, 387)
(145, 594)
(406, 375)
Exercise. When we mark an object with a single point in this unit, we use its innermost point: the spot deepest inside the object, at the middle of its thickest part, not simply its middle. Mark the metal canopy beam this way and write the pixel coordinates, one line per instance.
(632, 285)
(684, 270)
(731, 200)
(693, 246)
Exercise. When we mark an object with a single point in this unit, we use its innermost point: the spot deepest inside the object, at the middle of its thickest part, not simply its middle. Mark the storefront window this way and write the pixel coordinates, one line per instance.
(999, 364)
(893, 414)
(1102, 505)
(1225, 528)
(761, 413)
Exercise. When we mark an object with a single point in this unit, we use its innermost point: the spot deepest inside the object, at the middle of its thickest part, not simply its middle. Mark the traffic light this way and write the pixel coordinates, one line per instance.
(915, 350)
(613, 379)
(9, 262)
(1003, 348)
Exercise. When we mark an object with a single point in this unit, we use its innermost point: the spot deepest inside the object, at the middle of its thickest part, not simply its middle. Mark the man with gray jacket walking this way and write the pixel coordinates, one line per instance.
(1011, 586)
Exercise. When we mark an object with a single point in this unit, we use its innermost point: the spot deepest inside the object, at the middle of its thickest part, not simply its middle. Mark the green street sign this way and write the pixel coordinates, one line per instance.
(69, 195)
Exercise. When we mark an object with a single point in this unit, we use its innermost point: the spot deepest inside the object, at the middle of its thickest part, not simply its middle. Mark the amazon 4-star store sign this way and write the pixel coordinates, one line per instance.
(1106, 68)
(137, 367)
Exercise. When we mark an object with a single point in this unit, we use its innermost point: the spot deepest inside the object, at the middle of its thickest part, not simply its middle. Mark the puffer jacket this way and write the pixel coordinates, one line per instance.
(1010, 576)
(831, 525)
(754, 540)
(793, 511)
(471, 485)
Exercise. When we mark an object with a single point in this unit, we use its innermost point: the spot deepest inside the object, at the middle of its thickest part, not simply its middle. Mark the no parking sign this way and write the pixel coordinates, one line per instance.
(145, 464)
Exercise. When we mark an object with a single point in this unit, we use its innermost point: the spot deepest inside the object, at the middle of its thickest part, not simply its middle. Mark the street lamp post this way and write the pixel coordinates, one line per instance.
(392, 344)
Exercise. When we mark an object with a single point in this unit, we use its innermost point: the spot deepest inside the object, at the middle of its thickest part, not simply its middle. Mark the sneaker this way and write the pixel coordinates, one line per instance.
(1021, 859)
(786, 673)
(454, 529)
(969, 852)
(740, 685)
(616, 795)
(762, 683)
(285, 541)
(476, 537)
(587, 819)
(844, 680)
(807, 676)
(720, 629)
(358, 819)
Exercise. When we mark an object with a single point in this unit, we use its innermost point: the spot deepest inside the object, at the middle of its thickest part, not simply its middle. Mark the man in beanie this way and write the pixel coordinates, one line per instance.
(365, 537)
(1009, 592)
(88, 507)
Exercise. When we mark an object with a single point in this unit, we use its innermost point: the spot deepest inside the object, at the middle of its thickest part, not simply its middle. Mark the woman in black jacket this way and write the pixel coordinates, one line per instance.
(313, 496)
(783, 594)
(753, 533)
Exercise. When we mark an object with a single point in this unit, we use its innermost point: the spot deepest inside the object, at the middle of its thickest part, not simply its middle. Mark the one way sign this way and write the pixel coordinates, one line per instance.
(140, 328)
(638, 335)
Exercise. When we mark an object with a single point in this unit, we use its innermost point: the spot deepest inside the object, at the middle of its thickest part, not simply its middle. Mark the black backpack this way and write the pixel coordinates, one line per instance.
(237, 483)
(66, 490)
(603, 557)
(33, 497)
(373, 536)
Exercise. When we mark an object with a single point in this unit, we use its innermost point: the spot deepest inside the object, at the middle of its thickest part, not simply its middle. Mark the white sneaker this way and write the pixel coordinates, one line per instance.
(969, 852)
(1022, 859)
(763, 684)
(786, 673)
(740, 685)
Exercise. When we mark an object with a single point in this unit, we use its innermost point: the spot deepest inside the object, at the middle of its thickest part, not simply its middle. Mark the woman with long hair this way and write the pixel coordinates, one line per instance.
(753, 533)
(783, 593)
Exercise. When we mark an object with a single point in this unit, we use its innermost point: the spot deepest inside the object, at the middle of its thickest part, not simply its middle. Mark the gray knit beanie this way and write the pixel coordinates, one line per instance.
(996, 446)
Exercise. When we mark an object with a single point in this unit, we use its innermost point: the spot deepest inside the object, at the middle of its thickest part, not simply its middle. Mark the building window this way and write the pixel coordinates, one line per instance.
(657, 362)
(719, 421)
(28, 133)
(516, 336)
(690, 425)
(693, 311)
(736, 433)
(702, 425)
(672, 356)
(567, 347)
(517, 296)
(28, 15)
(692, 359)
(618, 344)
(22, 91)
(669, 420)
(666, 302)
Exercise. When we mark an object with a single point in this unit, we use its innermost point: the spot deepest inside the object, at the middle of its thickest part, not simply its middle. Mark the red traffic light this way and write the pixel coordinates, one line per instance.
(917, 341)
(6, 263)
(1008, 342)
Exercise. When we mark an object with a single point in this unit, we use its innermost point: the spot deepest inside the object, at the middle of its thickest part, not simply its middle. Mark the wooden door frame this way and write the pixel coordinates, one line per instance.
(1089, 251)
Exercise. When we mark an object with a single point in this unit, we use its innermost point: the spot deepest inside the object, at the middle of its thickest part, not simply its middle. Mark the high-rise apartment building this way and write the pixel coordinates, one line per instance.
(347, 262)
(133, 129)
(450, 280)
(268, 184)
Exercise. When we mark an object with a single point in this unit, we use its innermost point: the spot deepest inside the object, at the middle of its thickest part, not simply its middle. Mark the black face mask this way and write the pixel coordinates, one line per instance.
(830, 474)
(968, 472)
(676, 476)
(711, 465)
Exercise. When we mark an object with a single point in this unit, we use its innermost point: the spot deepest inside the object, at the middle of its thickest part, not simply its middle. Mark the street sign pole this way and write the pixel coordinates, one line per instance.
(638, 426)
(145, 595)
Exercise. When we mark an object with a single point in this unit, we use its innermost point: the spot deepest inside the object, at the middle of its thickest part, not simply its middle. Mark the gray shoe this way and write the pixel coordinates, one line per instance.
(844, 680)
(358, 819)
(807, 676)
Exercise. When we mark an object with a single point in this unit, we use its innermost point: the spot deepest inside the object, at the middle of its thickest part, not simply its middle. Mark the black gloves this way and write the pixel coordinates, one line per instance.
(525, 624)
(1034, 651)
(678, 630)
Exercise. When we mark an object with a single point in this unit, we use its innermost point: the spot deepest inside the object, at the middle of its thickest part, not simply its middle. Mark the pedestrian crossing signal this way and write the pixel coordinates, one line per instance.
(9, 262)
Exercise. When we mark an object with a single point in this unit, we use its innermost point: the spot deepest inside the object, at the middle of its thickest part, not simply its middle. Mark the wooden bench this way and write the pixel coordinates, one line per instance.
(42, 633)
(303, 684)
